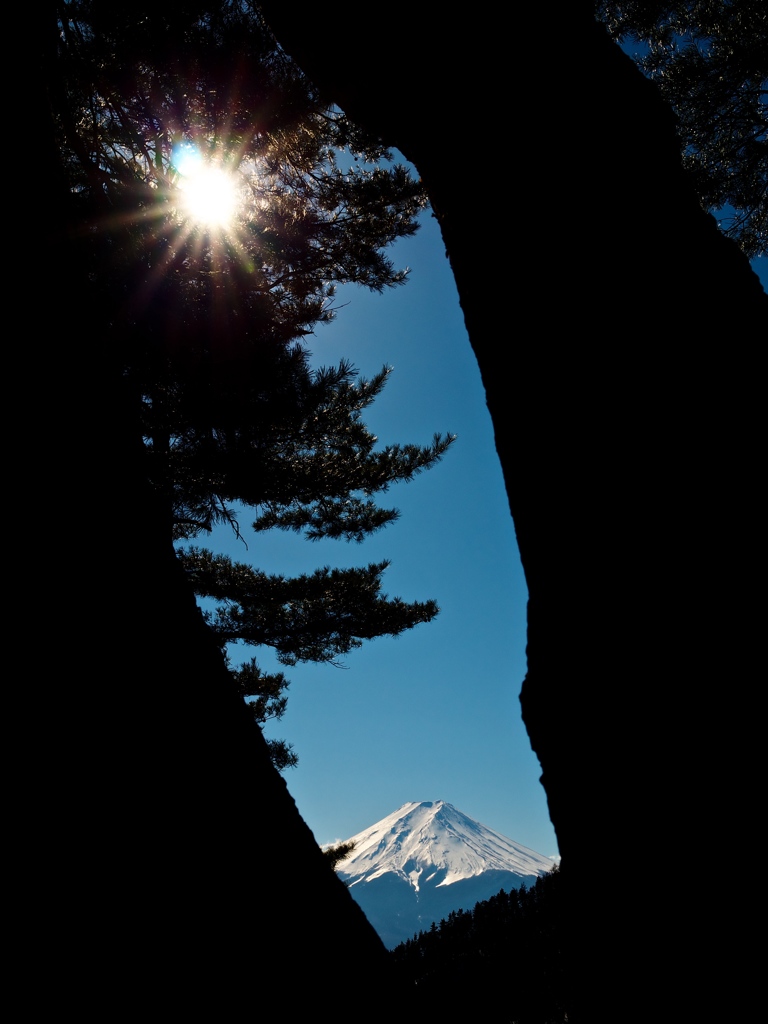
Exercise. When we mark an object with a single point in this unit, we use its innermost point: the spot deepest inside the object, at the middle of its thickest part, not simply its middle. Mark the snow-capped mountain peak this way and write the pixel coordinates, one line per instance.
(433, 842)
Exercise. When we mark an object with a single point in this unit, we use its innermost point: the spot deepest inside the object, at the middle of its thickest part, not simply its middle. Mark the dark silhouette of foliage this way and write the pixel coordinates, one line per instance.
(269, 701)
(504, 955)
(314, 617)
(314, 475)
(336, 854)
(710, 62)
(206, 323)
(306, 464)
(210, 321)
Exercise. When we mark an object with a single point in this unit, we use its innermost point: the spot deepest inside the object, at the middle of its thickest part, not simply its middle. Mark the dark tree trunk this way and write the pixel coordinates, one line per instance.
(616, 334)
(163, 865)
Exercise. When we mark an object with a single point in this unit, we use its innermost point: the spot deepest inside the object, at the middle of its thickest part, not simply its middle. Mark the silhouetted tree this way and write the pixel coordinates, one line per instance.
(306, 463)
(207, 322)
(336, 854)
(210, 320)
(313, 617)
(710, 62)
(314, 474)
(269, 701)
(508, 949)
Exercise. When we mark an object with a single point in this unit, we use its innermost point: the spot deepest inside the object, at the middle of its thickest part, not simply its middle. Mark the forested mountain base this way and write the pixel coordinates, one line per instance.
(502, 961)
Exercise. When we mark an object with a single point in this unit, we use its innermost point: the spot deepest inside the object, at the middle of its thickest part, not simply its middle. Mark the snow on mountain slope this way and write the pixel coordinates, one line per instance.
(433, 842)
(426, 859)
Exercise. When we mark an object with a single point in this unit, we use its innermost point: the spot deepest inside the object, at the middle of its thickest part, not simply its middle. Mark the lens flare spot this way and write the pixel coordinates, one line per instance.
(209, 193)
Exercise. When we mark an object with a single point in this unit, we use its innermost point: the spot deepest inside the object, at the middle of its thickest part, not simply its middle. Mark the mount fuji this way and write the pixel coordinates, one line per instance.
(426, 859)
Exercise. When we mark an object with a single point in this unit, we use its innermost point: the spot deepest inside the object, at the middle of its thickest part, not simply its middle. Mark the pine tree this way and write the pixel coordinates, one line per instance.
(205, 321)
(315, 617)
(268, 689)
(315, 475)
(508, 947)
(307, 463)
(141, 87)
(336, 854)
(207, 324)
(709, 59)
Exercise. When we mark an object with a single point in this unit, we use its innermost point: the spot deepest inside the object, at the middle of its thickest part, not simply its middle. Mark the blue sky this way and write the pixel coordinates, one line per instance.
(434, 713)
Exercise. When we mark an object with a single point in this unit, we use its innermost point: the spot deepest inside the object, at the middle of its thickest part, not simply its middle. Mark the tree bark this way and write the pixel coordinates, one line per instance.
(615, 331)
(161, 861)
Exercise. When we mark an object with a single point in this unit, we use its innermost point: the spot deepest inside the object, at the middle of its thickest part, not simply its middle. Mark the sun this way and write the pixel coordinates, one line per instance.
(209, 193)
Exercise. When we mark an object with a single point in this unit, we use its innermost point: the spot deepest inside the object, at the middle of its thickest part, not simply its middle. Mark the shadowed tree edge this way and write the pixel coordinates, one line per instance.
(623, 391)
